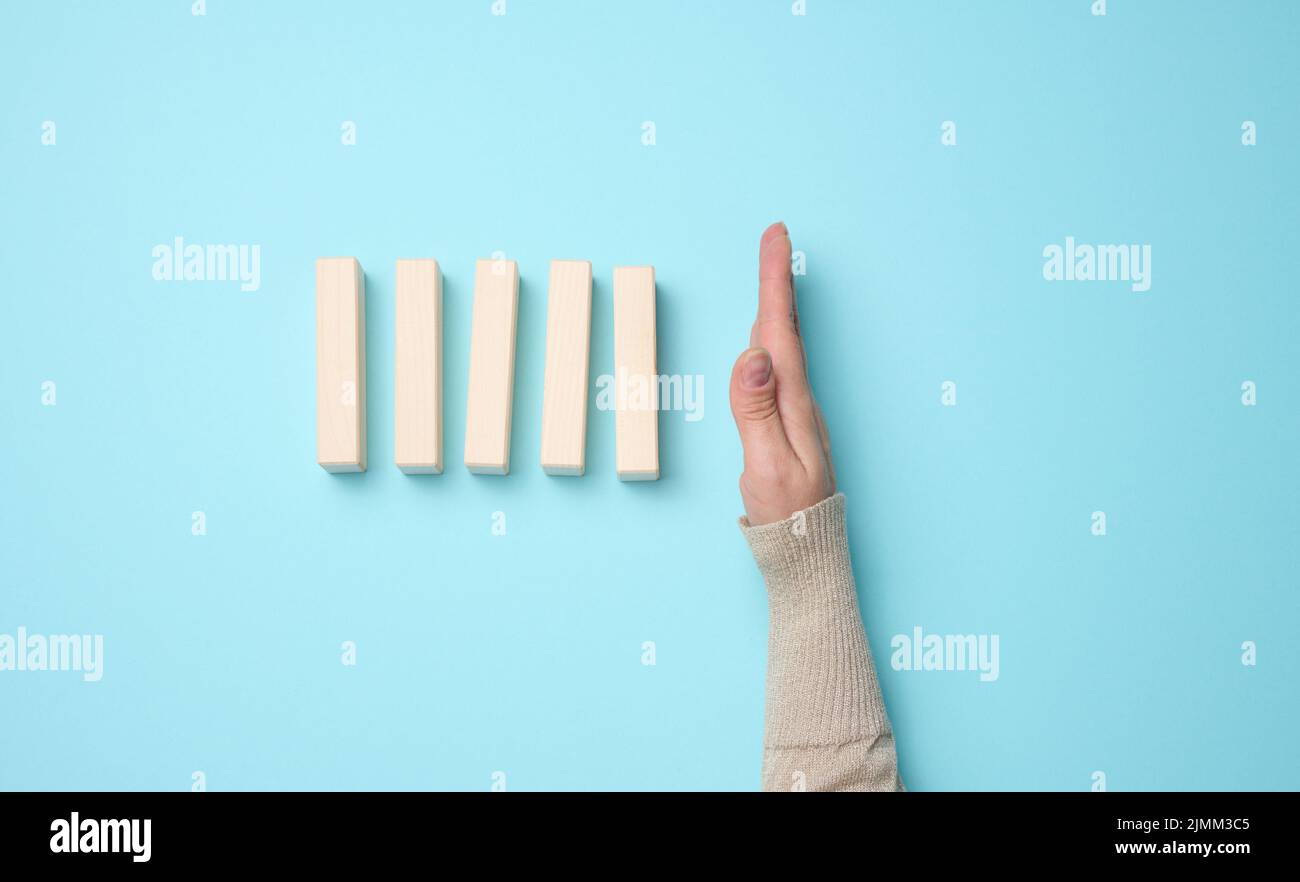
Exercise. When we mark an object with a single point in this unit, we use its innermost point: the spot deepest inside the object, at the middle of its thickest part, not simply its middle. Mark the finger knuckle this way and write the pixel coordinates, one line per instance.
(756, 408)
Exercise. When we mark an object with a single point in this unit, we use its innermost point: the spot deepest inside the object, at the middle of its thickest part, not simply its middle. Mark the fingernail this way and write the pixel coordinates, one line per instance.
(757, 370)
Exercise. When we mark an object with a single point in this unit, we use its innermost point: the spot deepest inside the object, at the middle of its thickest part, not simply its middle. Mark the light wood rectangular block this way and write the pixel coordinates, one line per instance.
(417, 380)
(491, 367)
(340, 365)
(636, 416)
(568, 349)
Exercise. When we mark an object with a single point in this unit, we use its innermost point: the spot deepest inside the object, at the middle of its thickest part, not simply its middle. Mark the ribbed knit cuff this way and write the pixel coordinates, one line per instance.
(790, 553)
(821, 681)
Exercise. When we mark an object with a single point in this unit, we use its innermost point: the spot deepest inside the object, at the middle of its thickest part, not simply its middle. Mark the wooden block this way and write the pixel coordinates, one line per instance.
(568, 347)
(491, 367)
(417, 382)
(340, 365)
(636, 411)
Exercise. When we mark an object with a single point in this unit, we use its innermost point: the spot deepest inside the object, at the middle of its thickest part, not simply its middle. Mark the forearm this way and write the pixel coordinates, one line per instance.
(826, 726)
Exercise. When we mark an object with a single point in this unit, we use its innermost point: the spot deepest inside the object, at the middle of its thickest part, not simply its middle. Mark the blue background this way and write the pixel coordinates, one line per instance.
(522, 653)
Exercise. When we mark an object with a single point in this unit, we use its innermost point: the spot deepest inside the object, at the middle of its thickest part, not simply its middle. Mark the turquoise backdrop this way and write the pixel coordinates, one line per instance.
(126, 125)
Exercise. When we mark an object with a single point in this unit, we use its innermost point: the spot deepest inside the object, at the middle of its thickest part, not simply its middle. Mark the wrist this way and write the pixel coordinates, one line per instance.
(805, 553)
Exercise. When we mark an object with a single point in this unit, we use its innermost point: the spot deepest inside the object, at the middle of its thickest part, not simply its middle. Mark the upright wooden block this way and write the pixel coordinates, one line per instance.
(417, 385)
(568, 349)
(340, 365)
(636, 417)
(491, 367)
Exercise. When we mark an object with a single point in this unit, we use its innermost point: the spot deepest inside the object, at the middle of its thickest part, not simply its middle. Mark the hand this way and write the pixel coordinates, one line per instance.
(787, 451)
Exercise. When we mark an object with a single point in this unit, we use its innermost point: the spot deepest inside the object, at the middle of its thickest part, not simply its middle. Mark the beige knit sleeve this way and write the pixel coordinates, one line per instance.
(826, 724)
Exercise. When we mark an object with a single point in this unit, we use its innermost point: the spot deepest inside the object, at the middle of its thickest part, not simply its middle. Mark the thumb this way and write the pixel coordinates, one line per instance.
(753, 404)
